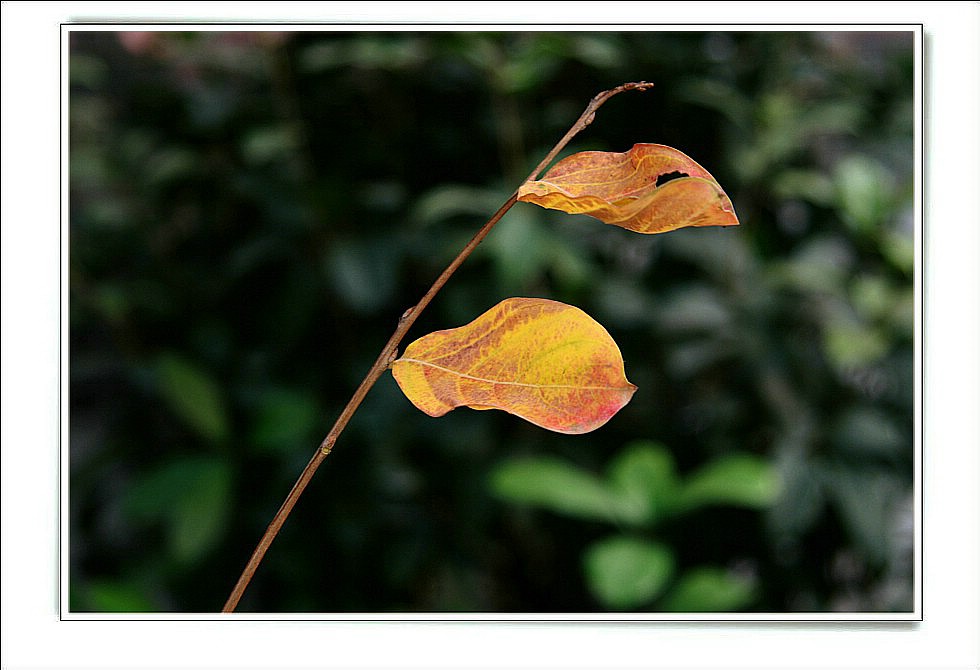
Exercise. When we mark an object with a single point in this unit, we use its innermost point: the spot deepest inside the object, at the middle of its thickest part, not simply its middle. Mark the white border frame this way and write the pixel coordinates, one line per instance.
(34, 637)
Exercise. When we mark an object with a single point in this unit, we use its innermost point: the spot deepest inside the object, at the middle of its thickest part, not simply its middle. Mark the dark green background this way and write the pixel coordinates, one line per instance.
(251, 212)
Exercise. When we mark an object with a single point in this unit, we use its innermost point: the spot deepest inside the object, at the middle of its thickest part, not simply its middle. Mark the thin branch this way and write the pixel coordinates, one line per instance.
(390, 350)
(588, 116)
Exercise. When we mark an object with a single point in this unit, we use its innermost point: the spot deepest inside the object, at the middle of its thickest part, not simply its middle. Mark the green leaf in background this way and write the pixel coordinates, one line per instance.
(519, 249)
(819, 265)
(556, 486)
(645, 476)
(849, 342)
(269, 143)
(811, 185)
(867, 431)
(694, 308)
(201, 511)
(719, 96)
(450, 200)
(193, 396)
(872, 296)
(899, 248)
(112, 596)
(624, 573)
(284, 420)
(362, 274)
(709, 590)
(395, 54)
(191, 496)
(85, 70)
(871, 503)
(741, 479)
(864, 192)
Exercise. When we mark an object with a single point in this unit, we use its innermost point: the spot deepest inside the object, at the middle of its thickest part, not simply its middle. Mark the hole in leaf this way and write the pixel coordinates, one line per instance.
(670, 176)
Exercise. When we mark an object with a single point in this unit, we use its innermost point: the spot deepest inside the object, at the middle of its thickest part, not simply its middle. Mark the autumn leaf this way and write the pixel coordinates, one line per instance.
(649, 189)
(544, 361)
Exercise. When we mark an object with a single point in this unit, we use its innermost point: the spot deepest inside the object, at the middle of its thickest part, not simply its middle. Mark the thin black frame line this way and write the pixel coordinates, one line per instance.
(918, 282)
(61, 298)
(708, 26)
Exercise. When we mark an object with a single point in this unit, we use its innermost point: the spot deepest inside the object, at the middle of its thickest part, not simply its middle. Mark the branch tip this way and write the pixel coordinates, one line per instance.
(384, 362)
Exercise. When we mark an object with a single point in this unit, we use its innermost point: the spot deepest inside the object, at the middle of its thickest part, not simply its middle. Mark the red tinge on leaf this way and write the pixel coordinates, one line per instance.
(622, 189)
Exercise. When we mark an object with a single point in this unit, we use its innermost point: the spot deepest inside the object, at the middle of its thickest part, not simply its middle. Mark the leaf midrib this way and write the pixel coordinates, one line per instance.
(509, 383)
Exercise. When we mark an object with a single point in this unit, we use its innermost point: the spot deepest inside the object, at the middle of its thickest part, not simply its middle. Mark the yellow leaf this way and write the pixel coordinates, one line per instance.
(544, 361)
(621, 189)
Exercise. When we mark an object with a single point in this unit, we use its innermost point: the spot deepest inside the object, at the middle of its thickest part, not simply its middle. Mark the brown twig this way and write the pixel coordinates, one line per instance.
(389, 352)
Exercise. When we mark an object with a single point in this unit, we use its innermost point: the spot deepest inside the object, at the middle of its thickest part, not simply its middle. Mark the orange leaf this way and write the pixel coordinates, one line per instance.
(544, 361)
(621, 189)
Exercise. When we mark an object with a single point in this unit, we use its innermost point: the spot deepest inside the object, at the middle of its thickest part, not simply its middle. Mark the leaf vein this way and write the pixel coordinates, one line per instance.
(509, 383)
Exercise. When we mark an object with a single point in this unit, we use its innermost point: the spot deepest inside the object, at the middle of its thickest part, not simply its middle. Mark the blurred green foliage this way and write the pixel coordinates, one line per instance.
(642, 490)
(250, 213)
